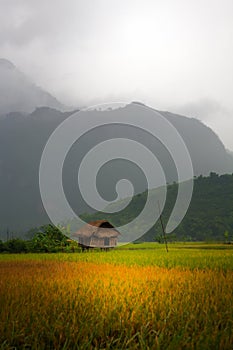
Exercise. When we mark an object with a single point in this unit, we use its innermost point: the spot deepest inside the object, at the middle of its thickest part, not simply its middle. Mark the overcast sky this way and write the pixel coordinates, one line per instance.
(173, 55)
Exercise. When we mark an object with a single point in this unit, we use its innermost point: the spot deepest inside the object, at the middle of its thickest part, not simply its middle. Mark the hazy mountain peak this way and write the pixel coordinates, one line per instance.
(138, 103)
(19, 94)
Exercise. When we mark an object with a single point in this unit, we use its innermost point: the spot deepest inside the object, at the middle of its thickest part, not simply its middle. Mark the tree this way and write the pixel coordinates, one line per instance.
(15, 245)
(1, 246)
(48, 239)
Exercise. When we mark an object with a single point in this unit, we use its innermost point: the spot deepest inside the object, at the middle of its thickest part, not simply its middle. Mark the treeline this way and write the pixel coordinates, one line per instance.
(46, 239)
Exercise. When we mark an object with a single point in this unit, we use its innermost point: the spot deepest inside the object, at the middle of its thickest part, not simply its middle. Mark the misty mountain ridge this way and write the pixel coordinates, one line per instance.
(22, 140)
(19, 94)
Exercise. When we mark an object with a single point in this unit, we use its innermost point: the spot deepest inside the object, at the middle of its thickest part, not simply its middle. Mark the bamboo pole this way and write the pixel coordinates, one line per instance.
(161, 221)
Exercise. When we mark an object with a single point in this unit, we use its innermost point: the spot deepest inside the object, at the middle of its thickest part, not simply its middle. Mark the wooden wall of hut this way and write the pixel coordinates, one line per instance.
(113, 241)
(84, 240)
(97, 242)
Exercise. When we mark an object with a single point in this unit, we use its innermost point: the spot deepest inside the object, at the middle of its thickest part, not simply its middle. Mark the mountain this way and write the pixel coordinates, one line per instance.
(23, 138)
(208, 218)
(19, 94)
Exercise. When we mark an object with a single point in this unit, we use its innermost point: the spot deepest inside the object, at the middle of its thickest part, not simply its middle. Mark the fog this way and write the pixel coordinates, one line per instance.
(170, 54)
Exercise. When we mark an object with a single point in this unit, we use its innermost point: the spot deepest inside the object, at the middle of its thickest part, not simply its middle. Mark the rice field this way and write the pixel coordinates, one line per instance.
(123, 299)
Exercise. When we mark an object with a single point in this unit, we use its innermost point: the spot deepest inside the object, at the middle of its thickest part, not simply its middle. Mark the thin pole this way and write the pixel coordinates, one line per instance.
(161, 221)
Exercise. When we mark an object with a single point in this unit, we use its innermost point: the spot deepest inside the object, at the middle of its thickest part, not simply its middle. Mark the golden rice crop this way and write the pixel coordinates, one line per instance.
(46, 304)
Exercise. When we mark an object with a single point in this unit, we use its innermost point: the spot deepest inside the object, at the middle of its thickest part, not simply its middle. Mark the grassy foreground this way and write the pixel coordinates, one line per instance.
(124, 299)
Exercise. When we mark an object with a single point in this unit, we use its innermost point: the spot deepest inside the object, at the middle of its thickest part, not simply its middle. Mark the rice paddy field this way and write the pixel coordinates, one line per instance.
(134, 297)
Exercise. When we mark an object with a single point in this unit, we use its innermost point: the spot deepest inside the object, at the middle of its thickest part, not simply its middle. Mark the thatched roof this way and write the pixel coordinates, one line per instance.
(98, 228)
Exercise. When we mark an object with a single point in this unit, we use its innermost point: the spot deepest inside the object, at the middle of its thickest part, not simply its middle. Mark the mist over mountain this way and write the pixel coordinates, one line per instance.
(19, 94)
(23, 138)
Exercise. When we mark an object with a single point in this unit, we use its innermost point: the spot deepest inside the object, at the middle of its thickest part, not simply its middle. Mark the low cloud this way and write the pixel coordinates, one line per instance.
(163, 53)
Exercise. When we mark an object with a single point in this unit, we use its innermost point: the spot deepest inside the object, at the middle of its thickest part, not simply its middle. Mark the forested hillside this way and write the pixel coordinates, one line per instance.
(209, 217)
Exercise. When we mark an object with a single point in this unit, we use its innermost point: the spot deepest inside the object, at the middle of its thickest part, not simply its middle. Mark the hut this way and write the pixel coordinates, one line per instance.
(99, 234)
